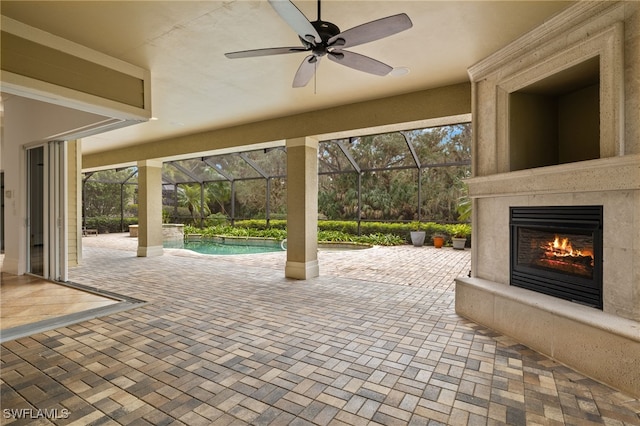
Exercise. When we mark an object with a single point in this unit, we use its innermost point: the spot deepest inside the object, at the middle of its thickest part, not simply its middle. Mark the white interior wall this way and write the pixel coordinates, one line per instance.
(28, 122)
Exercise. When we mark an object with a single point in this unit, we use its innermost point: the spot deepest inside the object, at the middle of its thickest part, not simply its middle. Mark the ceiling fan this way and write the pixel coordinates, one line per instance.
(321, 38)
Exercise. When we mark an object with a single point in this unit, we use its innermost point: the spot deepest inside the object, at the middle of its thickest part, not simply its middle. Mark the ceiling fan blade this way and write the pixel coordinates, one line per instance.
(359, 62)
(264, 52)
(306, 70)
(371, 31)
(296, 20)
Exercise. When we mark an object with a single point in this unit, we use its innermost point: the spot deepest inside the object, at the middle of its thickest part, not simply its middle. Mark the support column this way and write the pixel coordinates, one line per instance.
(302, 208)
(150, 208)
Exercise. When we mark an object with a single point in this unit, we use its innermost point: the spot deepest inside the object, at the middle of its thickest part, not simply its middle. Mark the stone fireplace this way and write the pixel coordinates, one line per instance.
(556, 192)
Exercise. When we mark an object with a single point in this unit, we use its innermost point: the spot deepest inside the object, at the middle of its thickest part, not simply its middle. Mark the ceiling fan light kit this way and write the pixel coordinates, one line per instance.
(321, 38)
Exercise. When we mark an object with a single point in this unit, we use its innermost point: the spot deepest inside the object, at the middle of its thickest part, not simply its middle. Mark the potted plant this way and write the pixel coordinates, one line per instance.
(459, 234)
(417, 236)
(438, 240)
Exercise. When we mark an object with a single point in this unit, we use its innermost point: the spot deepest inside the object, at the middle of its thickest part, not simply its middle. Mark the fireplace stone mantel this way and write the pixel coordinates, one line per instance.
(511, 168)
(605, 174)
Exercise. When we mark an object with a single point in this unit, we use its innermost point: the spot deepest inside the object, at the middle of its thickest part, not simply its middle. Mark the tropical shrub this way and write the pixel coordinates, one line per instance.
(375, 233)
(460, 230)
(216, 219)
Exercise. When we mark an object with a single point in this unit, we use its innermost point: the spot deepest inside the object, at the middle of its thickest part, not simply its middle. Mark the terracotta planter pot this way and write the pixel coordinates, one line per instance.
(438, 242)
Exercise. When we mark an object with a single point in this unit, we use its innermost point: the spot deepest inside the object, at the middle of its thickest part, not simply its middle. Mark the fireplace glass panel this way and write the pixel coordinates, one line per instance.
(557, 250)
(563, 252)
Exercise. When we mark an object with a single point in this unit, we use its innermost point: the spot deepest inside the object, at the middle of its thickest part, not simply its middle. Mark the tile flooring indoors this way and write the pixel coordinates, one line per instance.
(27, 300)
(227, 340)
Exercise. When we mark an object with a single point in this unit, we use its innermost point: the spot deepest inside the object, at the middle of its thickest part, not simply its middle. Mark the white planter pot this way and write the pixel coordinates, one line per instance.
(459, 243)
(417, 238)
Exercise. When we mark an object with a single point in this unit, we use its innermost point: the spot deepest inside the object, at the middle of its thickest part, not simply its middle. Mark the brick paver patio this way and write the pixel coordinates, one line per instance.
(230, 341)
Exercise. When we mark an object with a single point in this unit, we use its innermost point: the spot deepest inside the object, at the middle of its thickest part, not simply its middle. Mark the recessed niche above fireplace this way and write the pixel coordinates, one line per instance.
(557, 250)
(556, 106)
(556, 120)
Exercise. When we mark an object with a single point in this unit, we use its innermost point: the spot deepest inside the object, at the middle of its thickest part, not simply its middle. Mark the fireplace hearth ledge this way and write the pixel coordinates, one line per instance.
(602, 346)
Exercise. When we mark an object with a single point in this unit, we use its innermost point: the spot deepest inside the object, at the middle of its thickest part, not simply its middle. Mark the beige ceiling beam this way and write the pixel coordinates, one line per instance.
(454, 100)
(38, 65)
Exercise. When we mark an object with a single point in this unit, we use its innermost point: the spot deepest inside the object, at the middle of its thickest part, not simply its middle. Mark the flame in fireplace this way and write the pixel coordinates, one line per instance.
(561, 247)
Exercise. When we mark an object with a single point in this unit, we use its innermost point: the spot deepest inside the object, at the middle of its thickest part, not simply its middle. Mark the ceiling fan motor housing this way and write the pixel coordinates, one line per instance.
(325, 29)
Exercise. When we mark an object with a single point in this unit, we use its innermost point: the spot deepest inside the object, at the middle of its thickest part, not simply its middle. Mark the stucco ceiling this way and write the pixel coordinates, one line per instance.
(195, 87)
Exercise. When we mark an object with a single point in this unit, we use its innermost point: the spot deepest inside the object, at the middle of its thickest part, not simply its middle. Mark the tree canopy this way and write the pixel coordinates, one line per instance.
(395, 170)
(398, 176)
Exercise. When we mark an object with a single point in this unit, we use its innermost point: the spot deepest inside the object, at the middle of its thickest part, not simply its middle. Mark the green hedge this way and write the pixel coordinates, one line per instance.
(401, 230)
(379, 233)
(262, 224)
(109, 225)
(237, 231)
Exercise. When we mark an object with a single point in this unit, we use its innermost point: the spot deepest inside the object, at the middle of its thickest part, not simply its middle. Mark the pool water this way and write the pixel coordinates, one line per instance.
(212, 247)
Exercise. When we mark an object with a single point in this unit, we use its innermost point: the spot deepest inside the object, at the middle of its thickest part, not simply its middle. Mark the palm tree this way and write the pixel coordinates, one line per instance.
(191, 197)
(218, 193)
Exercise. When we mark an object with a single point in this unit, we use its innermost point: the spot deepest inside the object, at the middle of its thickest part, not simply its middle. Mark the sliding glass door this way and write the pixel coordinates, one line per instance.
(35, 211)
(46, 211)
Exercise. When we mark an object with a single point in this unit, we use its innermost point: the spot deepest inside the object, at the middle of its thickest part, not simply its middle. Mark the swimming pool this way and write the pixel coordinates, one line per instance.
(251, 245)
(224, 248)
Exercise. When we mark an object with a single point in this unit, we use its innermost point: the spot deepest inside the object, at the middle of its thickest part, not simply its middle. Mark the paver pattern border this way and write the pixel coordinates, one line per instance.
(230, 341)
